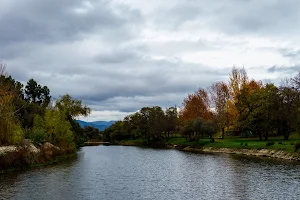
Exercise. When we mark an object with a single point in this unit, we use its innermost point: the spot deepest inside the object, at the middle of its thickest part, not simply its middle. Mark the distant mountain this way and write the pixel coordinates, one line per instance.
(101, 125)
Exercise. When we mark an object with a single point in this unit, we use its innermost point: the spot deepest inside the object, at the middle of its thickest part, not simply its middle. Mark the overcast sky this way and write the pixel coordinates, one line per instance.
(120, 55)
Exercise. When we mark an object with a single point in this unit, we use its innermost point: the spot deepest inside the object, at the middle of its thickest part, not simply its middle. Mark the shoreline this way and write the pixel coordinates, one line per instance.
(277, 154)
(27, 155)
(268, 153)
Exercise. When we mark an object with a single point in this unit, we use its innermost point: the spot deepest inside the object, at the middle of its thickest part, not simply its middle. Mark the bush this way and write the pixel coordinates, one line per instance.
(269, 144)
(246, 144)
(37, 136)
(193, 140)
(18, 135)
(297, 146)
(279, 142)
(292, 143)
(242, 144)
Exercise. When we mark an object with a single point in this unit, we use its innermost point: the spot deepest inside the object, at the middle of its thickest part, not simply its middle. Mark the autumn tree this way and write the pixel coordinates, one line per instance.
(196, 105)
(220, 96)
(10, 129)
(237, 79)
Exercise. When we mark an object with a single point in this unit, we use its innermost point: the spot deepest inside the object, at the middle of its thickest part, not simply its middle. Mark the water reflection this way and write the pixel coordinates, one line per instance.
(116, 172)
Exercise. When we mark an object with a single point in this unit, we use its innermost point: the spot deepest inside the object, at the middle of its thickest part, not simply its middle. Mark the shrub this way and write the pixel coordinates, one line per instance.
(37, 136)
(246, 144)
(18, 135)
(279, 142)
(292, 143)
(297, 146)
(269, 144)
(242, 144)
(192, 140)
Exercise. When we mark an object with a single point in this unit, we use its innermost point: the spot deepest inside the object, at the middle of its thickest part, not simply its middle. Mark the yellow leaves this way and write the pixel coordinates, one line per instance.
(10, 130)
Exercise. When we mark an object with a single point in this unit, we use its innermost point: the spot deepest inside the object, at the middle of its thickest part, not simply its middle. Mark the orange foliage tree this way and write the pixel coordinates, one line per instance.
(195, 106)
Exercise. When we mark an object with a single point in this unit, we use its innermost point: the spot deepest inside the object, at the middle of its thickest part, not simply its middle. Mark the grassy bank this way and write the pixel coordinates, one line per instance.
(233, 142)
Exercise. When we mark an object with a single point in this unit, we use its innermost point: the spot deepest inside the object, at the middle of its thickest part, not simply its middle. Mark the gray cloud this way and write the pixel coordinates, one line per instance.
(236, 17)
(118, 56)
(61, 21)
(285, 69)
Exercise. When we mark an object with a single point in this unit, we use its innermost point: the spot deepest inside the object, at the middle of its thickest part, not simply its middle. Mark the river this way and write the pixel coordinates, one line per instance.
(120, 172)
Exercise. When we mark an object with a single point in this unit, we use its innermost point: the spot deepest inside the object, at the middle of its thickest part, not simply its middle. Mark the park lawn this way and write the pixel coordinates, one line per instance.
(234, 142)
(254, 143)
(183, 142)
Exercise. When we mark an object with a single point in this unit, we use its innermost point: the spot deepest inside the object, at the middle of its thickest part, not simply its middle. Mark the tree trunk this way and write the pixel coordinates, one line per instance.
(266, 135)
(223, 132)
(286, 136)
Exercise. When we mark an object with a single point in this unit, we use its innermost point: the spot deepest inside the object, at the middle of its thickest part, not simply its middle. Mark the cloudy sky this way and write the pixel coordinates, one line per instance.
(120, 55)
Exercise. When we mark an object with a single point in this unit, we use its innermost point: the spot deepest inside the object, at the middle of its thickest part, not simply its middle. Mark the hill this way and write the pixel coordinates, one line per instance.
(101, 125)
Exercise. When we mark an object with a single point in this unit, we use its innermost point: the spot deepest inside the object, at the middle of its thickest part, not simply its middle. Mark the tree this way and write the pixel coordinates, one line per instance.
(115, 132)
(152, 119)
(10, 129)
(72, 107)
(170, 121)
(91, 132)
(247, 103)
(237, 79)
(35, 93)
(132, 125)
(220, 95)
(196, 105)
(289, 111)
(58, 130)
(198, 128)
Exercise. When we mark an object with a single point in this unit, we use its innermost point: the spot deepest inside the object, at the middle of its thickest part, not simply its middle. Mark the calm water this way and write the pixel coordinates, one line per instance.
(117, 172)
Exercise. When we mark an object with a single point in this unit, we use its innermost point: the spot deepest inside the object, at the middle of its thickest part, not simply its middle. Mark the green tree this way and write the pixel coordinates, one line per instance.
(288, 111)
(35, 93)
(58, 130)
(73, 108)
(171, 118)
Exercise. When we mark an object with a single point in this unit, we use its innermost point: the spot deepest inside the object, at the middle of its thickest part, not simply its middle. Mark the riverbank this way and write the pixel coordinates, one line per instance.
(295, 156)
(28, 155)
(275, 148)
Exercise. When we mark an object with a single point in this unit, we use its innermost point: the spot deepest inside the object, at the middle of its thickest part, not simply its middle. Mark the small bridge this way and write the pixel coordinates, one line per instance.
(96, 143)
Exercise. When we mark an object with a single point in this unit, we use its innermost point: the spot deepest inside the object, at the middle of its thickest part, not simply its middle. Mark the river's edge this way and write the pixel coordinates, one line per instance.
(249, 152)
(278, 154)
(27, 155)
(53, 161)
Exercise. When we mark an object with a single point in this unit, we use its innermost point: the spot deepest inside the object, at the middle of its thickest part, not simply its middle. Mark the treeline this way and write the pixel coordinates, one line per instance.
(29, 112)
(241, 106)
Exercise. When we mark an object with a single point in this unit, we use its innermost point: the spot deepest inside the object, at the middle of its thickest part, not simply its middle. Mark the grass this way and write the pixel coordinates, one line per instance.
(246, 143)
(234, 142)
